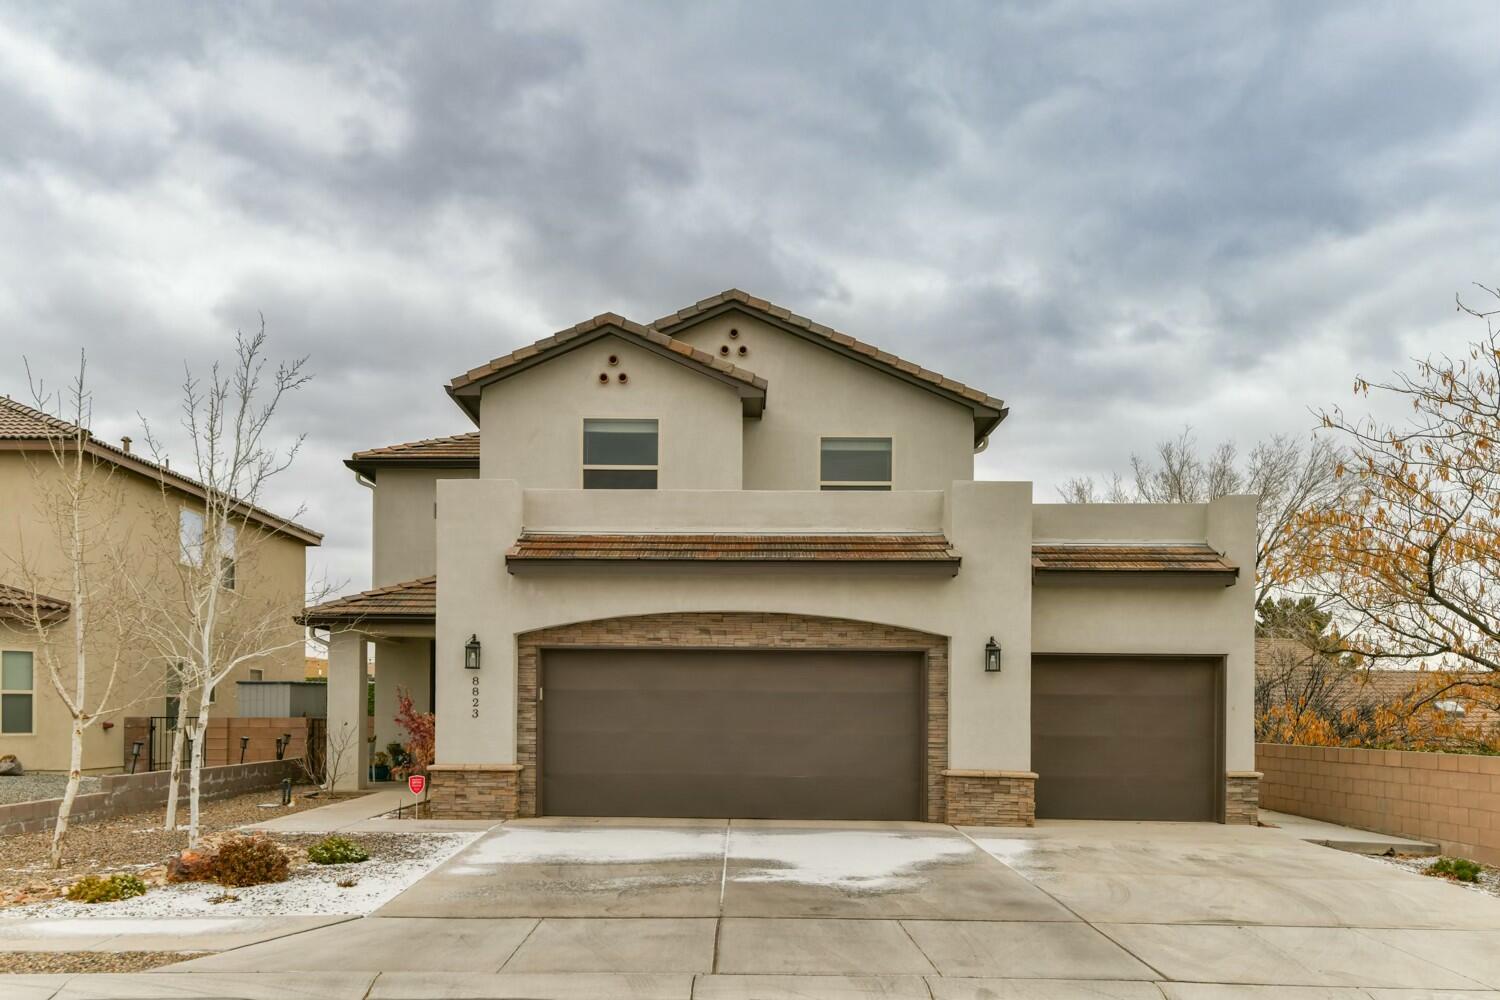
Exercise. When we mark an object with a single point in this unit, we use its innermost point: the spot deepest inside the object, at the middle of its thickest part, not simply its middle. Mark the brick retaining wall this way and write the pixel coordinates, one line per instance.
(1447, 798)
(127, 793)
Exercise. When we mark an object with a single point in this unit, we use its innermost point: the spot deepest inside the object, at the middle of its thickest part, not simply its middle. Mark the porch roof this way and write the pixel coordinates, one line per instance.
(1185, 559)
(864, 549)
(16, 603)
(410, 602)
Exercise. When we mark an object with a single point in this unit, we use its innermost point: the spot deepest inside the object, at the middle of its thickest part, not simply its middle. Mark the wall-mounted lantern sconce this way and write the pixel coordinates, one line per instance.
(244, 744)
(471, 653)
(135, 754)
(992, 656)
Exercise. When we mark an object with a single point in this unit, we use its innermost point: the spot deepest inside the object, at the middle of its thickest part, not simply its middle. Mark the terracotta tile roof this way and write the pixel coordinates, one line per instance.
(735, 297)
(911, 548)
(412, 601)
(1146, 557)
(19, 422)
(457, 451)
(752, 385)
(18, 603)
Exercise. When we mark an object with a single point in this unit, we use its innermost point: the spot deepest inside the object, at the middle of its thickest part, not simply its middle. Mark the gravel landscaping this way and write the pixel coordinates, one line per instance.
(30, 787)
(134, 843)
(1489, 879)
(55, 962)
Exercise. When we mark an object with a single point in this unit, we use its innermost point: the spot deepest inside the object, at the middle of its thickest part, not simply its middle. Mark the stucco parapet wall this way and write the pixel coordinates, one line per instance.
(731, 511)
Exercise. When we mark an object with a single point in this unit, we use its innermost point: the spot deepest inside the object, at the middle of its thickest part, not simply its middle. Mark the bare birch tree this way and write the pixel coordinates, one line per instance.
(81, 648)
(211, 617)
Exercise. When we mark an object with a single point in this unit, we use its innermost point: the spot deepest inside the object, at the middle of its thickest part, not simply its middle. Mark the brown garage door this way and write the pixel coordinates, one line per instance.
(784, 735)
(1125, 738)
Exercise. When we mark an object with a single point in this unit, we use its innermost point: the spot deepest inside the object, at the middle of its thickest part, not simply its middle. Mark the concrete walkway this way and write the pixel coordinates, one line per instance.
(1345, 838)
(341, 815)
(742, 910)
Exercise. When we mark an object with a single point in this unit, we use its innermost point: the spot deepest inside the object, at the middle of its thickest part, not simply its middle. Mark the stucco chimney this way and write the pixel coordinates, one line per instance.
(125, 443)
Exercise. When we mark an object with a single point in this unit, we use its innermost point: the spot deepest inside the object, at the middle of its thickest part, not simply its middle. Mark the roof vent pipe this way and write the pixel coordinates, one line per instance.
(125, 443)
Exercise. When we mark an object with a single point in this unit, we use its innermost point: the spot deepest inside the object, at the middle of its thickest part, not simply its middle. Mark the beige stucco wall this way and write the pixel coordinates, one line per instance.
(531, 424)
(269, 572)
(815, 393)
(1125, 615)
(404, 522)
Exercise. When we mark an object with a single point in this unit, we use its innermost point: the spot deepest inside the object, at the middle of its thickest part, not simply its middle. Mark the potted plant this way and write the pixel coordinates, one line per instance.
(380, 766)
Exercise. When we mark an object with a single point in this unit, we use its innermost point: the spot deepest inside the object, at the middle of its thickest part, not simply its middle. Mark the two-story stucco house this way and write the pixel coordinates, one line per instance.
(151, 509)
(736, 563)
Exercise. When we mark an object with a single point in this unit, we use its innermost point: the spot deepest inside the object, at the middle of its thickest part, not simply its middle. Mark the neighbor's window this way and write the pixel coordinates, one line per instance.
(619, 454)
(15, 692)
(257, 675)
(854, 464)
(190, 532)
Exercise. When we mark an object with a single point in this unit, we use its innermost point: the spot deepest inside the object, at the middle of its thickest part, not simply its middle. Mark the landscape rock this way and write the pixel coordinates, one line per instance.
(10, 766)
(191, 866)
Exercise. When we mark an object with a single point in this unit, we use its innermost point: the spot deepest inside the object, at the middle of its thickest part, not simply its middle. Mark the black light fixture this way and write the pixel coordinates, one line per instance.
(471, 652)
(135, 754)
(992, 656)
(282, 744)
(244, 743)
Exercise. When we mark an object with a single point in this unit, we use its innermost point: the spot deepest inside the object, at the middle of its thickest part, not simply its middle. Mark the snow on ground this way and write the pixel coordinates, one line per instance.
(592, 845)
(312, 890)
(854, 861)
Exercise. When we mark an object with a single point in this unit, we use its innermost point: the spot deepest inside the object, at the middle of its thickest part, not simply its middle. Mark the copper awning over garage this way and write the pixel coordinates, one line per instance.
(1184, 560)
(901, 550)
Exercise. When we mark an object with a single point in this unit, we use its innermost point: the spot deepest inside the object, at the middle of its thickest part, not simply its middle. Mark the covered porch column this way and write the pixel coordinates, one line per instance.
(348, 751)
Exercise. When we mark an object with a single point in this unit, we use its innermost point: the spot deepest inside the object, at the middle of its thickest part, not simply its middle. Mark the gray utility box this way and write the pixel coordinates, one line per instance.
(283, 700)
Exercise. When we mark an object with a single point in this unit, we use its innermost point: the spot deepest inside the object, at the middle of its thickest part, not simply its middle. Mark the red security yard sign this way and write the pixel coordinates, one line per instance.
(416, 783)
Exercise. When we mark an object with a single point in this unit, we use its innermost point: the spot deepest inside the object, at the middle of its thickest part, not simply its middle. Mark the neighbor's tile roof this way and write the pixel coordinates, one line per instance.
(1158, 557)
(562, 337)
(17, 603)
(19, 422)
(735, 295)
(456, 450)
(913, 548)
(412, 600)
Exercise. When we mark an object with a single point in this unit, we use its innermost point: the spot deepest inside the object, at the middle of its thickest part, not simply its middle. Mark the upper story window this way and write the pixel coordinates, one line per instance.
(190, 539)
(855, 464)
(619, 454)
(16, 683)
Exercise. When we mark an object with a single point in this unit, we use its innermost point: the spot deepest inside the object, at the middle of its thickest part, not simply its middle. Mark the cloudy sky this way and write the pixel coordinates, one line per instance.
(1121, 221)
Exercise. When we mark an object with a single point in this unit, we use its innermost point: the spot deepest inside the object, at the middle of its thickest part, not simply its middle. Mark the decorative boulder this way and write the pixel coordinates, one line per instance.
(191, 866)
(10, 766)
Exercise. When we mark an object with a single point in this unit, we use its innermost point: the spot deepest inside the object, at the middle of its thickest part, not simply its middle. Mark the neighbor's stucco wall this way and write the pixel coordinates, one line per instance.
(404, 514)
(814, 393)
(531, 424)
(990, 523)
(271, 572)
(1127, 615)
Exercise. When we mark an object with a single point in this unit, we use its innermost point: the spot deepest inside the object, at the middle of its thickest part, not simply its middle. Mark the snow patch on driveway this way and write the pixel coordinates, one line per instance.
(592, 846)
(850, 861)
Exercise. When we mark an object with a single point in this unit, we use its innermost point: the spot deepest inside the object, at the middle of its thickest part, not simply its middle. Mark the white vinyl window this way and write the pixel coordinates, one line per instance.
(190, 531)
(619, 454)
(853, 464)
(16, 690)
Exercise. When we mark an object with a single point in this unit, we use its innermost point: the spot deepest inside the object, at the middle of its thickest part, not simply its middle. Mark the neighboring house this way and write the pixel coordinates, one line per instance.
(735, 563)
(1289, 670)
(34, 723)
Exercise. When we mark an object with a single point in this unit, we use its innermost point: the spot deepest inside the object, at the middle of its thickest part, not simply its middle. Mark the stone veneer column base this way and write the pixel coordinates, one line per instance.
(474, 791)
(1242, 797)
(990, 798)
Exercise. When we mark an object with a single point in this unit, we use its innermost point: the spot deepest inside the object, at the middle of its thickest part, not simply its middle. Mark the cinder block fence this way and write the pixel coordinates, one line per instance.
(1449, 799)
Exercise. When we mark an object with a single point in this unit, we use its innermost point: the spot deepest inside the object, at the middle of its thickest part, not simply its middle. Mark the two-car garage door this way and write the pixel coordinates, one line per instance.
(1125, 738)
(753, 733)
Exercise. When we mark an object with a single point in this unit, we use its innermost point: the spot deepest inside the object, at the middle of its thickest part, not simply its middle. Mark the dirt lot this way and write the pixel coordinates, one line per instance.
(135, 842)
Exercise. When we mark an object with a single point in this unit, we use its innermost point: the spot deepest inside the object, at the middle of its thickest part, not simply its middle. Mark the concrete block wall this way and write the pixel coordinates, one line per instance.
(1449, 799)
(120, 794)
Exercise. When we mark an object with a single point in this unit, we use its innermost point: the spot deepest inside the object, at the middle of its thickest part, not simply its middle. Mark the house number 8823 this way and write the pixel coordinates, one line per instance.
(474, 698)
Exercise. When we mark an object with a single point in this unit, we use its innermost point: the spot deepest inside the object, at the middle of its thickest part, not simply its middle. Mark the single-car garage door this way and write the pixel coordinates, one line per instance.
(716, 733)
(1125, 738)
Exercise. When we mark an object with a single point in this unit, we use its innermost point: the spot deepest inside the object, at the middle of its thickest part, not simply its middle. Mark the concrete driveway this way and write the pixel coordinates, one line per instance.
(732, 911)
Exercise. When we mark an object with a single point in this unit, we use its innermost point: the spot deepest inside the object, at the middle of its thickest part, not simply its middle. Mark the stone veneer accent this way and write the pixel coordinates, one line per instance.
(1242, 797)
(732, 630)
(991, 798)
(473, 791)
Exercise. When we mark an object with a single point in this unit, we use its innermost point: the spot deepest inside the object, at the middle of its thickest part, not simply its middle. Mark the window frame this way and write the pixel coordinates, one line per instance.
(584, 467)
(857, 485)
(191, 553)
(25, 692)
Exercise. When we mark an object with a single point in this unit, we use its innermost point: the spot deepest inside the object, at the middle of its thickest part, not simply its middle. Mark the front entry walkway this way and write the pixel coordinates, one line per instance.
(731, 911)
